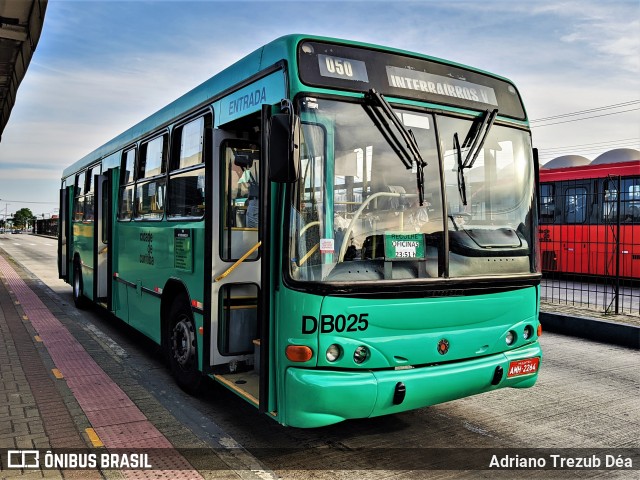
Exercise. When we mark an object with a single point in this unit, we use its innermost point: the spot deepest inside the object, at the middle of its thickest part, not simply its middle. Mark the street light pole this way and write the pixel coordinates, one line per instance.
(6, 205)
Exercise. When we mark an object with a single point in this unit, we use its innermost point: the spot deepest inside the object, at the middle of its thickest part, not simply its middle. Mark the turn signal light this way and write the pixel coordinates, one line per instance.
(299, 353)
(539, 329)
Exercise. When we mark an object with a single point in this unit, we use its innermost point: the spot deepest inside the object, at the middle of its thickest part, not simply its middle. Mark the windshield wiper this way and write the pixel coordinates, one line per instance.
(462, 188)
(474, 143)
(471, 142)
(404, 145)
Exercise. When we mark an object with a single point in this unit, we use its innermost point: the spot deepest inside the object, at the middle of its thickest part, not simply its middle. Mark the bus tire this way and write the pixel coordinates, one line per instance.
(183, 347)
(79, 300)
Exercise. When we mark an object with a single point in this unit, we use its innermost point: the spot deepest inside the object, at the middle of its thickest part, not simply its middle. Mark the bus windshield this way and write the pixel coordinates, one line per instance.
(356, 214)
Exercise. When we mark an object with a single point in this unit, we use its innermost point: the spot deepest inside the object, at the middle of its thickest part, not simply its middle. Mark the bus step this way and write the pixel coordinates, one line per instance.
(244, 384)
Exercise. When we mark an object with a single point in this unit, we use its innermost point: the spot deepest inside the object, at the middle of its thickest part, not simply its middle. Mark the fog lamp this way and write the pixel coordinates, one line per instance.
(361, 354)
(333, 353)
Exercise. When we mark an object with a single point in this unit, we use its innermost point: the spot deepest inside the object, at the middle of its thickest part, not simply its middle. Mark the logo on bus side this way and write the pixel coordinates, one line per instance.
(147, 256)
(338, 324)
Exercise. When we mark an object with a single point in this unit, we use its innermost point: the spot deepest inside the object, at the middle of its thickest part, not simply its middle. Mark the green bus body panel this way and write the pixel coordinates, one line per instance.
(407, 331)
(292, 307)
(144, 255)
(268, 90)
(402, 336)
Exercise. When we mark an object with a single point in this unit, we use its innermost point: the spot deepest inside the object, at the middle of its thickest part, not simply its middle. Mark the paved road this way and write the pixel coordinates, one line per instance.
(586, 397)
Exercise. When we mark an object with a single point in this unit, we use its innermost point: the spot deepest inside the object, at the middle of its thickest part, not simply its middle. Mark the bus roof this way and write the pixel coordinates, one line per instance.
(283, 48)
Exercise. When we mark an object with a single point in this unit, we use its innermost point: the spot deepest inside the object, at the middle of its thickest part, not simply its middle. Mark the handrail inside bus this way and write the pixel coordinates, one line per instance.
(238, 262)
(356, 215)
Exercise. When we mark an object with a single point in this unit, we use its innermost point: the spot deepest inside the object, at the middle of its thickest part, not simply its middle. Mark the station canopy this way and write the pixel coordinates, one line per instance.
(20, 27)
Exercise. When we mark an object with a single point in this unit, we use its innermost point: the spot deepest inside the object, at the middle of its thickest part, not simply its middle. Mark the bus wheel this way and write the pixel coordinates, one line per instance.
(78, 298)
(183, 348)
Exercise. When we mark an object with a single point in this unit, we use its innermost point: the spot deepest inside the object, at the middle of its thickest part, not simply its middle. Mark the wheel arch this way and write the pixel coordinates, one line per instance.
(173, 289)
(76, 267)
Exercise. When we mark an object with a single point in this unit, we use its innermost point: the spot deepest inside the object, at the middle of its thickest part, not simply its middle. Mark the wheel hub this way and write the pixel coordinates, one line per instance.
(183, 340)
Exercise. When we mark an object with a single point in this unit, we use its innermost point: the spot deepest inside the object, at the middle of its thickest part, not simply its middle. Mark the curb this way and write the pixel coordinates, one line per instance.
(591, 329)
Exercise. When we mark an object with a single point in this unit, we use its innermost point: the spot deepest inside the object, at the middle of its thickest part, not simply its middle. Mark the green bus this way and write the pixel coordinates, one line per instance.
(331, 229)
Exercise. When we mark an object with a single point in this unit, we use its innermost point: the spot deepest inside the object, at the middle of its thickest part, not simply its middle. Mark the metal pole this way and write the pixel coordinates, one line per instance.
(617, 291)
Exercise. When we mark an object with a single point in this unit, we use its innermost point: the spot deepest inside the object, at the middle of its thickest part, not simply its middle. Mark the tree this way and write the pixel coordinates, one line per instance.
(21, 217)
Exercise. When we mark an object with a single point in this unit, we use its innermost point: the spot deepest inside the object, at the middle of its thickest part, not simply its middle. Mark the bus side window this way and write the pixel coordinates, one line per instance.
(240, 175)
(630, 200)
(150, 187)
(610, 204)
(547, 203)
(127, 169)
(187, 172)
(576, 205)
(238, 319)
(89, 198)
(78, 209)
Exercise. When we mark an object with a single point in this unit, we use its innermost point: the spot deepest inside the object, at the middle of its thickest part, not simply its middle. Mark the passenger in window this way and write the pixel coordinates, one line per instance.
(248, 188)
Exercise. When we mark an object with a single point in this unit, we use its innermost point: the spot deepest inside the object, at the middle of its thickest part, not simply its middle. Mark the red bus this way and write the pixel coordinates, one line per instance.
(590, 215)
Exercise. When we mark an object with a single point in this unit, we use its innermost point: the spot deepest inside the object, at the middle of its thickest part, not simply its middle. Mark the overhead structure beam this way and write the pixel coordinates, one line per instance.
(11, 32)
(20, 28)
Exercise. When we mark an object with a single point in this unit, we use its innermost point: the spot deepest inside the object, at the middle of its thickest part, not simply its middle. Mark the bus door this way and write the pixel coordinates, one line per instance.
(236, 257)
(66, 195)
(101, 242)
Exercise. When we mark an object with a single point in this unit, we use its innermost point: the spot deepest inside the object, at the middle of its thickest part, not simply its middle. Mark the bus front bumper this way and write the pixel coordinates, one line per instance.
(317, 397)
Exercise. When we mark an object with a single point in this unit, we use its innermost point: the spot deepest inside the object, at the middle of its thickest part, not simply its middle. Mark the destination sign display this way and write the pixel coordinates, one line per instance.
(438, 85)
(344, 68)
(360, 69)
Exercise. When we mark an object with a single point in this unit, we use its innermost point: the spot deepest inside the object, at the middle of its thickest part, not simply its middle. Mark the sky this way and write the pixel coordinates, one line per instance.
(102, 66)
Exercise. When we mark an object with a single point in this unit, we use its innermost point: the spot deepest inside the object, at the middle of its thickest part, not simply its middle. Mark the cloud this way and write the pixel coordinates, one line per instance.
(73, 108)
(611, 29)
(30, 174)
(102, 67)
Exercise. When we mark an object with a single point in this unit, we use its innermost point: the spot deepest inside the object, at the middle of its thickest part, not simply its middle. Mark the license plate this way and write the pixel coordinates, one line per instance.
(523, 367)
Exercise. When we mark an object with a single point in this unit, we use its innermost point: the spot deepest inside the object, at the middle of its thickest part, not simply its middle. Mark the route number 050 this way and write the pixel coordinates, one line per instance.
(340, 67)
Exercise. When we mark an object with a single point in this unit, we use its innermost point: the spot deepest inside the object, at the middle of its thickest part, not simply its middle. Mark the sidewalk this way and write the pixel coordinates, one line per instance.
(33, 411)
(623, 330)
(53, 395)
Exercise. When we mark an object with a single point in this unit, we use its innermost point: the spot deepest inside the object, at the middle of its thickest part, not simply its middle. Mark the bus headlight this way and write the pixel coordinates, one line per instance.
(333, 353)
(361, 354)
(510, 338)
(528, 332)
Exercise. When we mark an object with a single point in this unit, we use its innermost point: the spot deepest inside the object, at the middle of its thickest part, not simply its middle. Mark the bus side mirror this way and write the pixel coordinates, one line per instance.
(284, 148)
